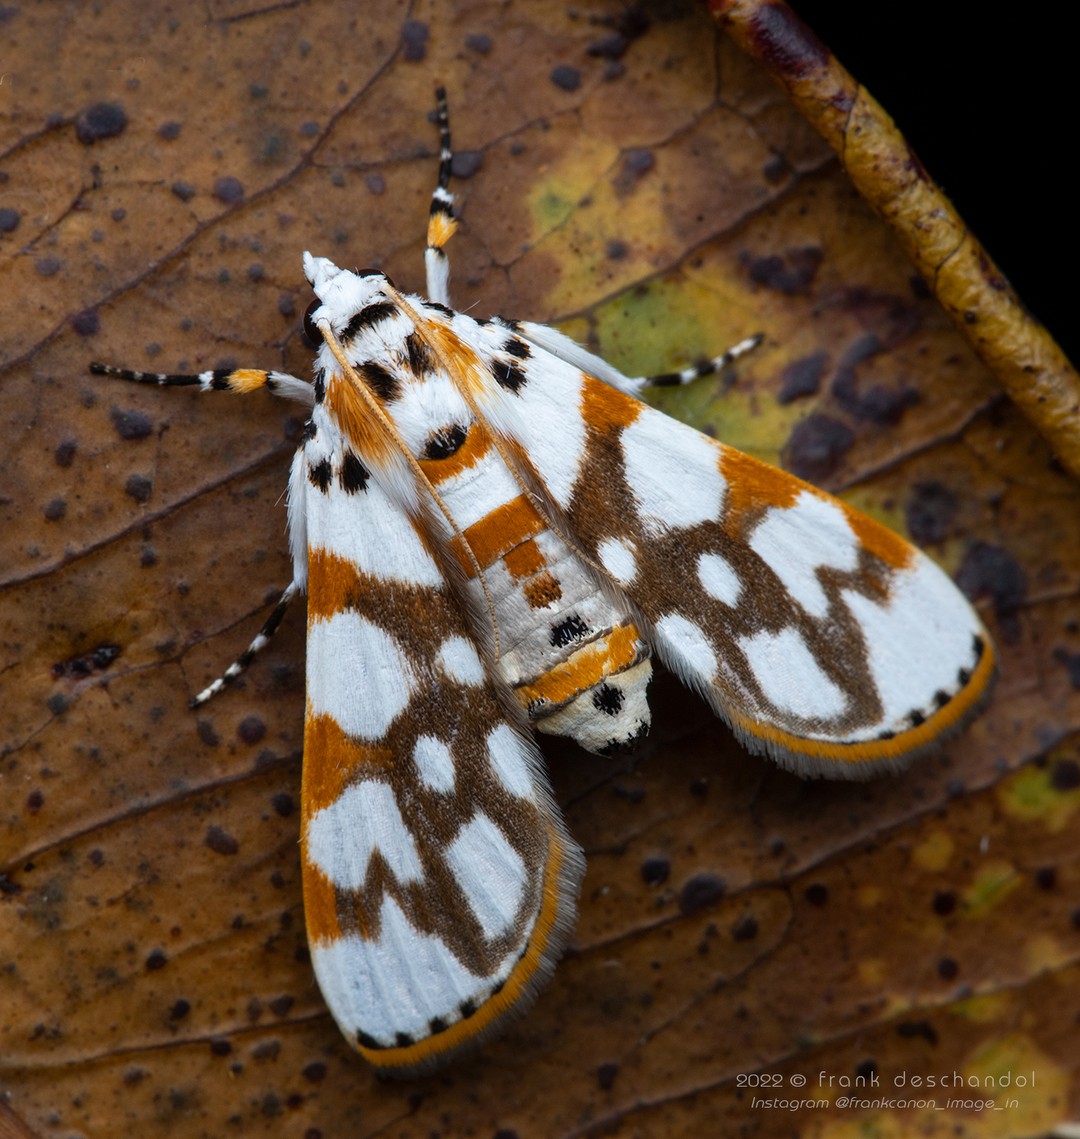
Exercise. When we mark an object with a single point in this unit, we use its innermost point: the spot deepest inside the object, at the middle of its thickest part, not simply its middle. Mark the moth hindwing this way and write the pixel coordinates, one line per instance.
(495, 534)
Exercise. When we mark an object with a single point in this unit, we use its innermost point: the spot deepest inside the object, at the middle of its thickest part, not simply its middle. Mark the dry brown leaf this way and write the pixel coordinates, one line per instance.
(659, 198)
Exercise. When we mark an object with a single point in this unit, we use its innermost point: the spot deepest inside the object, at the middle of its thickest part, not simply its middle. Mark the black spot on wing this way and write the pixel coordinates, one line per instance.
(436, 1025)
(467, 1009)
(434, 306)
(445, 442)
(508, 376)
(608, 699)
(320, 384)
(381, 381)
(366, 1041)
(420, 359)
(572, 629)
(319, 474)
(402, 1039)
(354, 475)
(518, 348)
(369, 315)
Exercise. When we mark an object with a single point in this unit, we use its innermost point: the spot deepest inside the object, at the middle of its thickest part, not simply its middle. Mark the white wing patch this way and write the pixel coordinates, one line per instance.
(490, 873)
(921, 610)
(509, 761)
(686, 647)
(368, 680)
(460, 661)
(365, 818)
(789, 675)
(719, 579)
(434, 763)
(379, 540)
(395, 983)
(619, 559)
(673, 475)
(798, 540)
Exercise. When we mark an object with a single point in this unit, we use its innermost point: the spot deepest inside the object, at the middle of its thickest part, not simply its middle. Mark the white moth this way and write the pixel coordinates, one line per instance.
(494, 535)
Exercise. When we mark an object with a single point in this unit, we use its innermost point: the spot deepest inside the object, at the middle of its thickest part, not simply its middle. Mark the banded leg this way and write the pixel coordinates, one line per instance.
(441, 221)
(262, 639)
(566, 349)
(240, 380)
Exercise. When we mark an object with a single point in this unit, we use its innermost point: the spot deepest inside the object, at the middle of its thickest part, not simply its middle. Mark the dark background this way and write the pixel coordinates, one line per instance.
(988, 99)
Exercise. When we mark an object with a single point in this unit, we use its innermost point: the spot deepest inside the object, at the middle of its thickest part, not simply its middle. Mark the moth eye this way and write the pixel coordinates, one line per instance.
(311, 329)
(444, 442)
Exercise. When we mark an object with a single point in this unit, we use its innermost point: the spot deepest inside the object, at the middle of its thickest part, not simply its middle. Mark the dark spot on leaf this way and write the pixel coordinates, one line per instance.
(565, 77)
(139, 488)
(790, 274)
(64, 455)
(86, 664)
(1046, 877)
(131, 424)
(815, 447)
(229, 190)
(315, 1072)
(86, 323)
(98, 121)
(185, 191)
(180, 1009)
(283, 803)
(220, 1047)
(802, 377)
(944, 903)
(947, 969)
(701, 891)
(251, 729)
(35, 801)
(9, 219)
(48, 266)
(655, 871)
(745, 929)
(816, 894)
(992, 571)
(55, 510)
(280, 1006)
(930, 512)
(636, 163)
(205, 731)
(605, 1076)
(156, 960)
(220, 841)
(1071, 661)
(917, 1029)
(414, 38)
(1065, 775)
(466, 163)
(479, 42)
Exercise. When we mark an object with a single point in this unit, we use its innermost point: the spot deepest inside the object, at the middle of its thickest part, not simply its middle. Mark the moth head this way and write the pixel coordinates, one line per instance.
(339, 294)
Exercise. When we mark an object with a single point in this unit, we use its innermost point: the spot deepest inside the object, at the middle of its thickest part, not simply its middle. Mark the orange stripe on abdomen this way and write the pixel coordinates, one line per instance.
(585, 668)
(497, 534)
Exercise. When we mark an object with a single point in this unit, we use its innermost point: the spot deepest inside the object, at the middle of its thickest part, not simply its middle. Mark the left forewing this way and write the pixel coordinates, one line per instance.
(439, 880)
(823, 638)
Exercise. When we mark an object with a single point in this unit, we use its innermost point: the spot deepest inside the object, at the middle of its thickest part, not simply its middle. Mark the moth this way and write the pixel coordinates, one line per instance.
(495, 536)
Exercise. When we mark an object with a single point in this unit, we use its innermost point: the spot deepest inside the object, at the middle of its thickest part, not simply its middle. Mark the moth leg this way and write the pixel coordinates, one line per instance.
(441, 221)
(566, 349)
(241, 380)
(260, 642)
